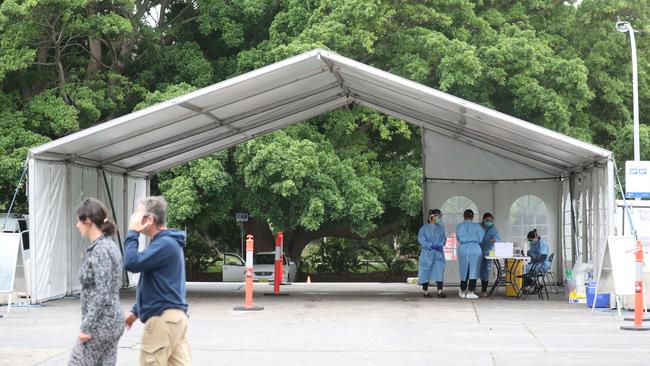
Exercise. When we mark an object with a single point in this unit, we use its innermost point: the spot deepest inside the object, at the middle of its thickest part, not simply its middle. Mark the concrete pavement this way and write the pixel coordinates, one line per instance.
(351, 324)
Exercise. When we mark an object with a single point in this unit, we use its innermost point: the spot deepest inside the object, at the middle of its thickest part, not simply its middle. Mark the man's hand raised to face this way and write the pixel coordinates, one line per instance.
(139, 221)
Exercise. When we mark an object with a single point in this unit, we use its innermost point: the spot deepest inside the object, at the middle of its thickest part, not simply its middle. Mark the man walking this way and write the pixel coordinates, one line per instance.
(160, 297)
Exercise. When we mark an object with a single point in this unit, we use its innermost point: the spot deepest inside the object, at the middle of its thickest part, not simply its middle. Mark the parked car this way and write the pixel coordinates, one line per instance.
(234, 268)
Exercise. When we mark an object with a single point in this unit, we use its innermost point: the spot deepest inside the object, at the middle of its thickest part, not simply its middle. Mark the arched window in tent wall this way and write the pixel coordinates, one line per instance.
(528, 213)
(452, 211)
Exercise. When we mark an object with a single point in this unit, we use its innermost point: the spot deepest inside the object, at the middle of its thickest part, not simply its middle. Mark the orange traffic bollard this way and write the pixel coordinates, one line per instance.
(248, 304)
(279, 259)
(638, 292)
(278, 263)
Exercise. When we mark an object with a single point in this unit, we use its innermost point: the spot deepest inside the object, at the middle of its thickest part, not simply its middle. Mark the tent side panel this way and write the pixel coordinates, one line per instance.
(83, 184)
(453, 159)
(31, 202)
(49, 223)
(136, 188)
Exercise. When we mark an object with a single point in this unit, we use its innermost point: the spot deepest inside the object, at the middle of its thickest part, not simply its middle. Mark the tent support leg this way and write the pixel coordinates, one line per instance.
(117, 231)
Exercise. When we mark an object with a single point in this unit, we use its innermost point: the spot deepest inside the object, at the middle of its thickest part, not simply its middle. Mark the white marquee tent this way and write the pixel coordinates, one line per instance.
(473, 156)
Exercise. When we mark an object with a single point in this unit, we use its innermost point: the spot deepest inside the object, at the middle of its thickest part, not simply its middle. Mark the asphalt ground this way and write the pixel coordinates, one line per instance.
(337, 324)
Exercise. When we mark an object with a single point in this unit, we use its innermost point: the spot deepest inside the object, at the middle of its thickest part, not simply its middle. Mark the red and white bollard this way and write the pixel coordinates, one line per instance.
(279, 240)
(248, 304)
(638, 292)
(279, 266)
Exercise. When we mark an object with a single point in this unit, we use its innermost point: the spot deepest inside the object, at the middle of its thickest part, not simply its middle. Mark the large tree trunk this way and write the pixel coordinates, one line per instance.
(262, 235)
(298, 239)
(94, 46)
(95, 55)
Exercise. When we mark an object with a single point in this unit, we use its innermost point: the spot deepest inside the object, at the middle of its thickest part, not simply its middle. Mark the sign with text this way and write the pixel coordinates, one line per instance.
(241, 216)
(637, 179)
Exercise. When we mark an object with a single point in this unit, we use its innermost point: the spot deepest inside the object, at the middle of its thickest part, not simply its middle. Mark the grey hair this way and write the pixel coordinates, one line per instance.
(156, 207)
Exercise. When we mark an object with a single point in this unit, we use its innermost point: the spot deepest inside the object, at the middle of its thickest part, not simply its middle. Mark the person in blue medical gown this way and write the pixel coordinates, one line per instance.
(538, 246)
(432, 240)
(490, 236)
(469, 235)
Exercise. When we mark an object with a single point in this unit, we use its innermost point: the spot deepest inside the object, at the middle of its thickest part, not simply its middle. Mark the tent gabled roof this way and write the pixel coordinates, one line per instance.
(296, 89)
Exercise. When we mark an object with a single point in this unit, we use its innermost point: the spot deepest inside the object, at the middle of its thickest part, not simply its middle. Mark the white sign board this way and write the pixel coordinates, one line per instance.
(503, 249)
(9, 247)
(617, 271)
(241, 216)
(637, 179)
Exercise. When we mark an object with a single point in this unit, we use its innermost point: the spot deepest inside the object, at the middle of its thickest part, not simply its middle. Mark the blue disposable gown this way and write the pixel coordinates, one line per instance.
(432, 258)
(486, 245)
(469, 235)
(539, 247)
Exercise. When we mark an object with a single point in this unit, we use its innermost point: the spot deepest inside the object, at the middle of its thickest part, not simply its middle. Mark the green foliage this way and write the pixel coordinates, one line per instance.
(70, 64)
(335, 255)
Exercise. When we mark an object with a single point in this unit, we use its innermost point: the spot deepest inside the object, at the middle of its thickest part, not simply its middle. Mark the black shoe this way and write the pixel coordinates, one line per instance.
(427, 295)
(442, 295)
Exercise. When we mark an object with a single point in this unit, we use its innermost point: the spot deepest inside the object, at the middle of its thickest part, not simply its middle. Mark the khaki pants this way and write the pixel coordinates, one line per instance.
(164, 340)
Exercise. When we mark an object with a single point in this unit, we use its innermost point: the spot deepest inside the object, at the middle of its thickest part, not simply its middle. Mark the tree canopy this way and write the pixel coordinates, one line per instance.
(353, 173)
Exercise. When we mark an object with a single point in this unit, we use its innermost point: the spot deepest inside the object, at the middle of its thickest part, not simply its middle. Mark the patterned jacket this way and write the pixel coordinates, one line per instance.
(100, 276)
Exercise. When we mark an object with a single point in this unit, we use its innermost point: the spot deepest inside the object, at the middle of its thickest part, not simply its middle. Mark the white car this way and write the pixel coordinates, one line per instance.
(234, 268)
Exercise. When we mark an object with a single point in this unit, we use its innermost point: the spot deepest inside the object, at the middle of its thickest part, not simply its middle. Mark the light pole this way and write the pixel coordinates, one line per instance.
(627, 27)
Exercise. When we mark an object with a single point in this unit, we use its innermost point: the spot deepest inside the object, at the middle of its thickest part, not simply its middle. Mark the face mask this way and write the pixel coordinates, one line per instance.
(531, 242)
(438, 220)
(488, 223)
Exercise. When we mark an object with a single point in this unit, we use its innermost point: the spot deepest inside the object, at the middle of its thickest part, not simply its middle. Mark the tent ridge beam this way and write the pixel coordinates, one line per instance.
(335, 71)
(266, 108)
(226, 124)
(201, 111)
(429, 179)
(212, 139)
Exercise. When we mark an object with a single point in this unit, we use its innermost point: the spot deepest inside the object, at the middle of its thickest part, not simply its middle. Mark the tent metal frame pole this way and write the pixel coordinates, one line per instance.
(574, 233)
(425, 204)
(194, 114)
(455, 132)
(450, 99)
(585, 193)
(559, 263)
(13, 200)
(243, 139)
(68, 228)
(212, 139)
(530, 180)
(426, 102)
(223, 123)
(463, 130)
(117, 229)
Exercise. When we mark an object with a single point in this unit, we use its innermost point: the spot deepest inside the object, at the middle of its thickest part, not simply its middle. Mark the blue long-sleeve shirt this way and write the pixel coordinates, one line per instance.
(538, 248)
(491, 233)
(432, 236)
(468, 232)
(162, 272)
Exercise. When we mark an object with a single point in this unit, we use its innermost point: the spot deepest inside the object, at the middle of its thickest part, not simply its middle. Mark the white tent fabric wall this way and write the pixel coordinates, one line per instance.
(493, 184)
(49, 228)
(58, 250)
(594, 206)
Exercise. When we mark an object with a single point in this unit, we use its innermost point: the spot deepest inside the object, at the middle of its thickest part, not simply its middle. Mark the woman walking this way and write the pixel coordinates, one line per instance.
(100, 275)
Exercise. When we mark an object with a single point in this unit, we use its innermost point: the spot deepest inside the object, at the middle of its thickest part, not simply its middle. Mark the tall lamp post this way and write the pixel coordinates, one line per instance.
(627, 27)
